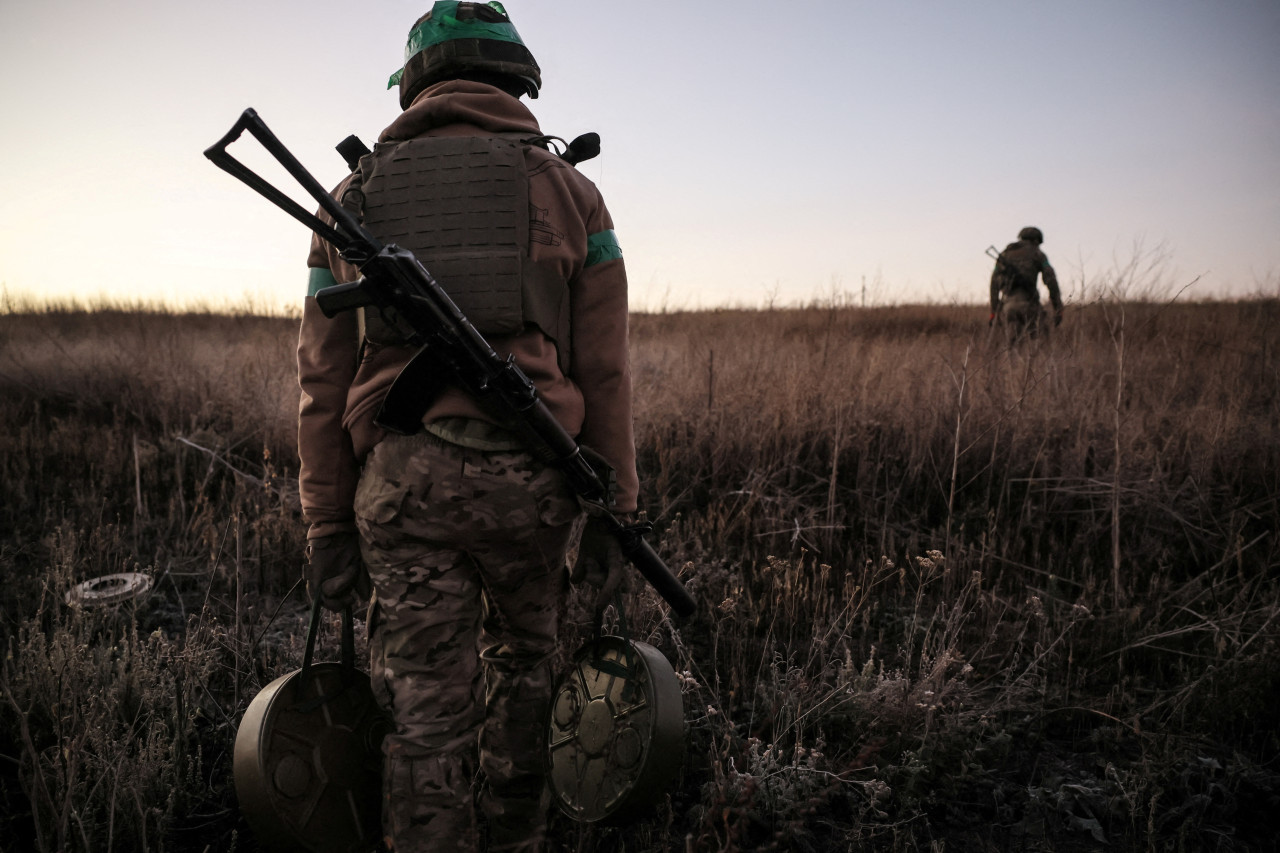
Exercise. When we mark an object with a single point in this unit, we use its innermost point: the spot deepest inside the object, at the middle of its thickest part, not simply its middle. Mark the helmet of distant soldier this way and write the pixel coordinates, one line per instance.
(1032, 234)
(475, 41)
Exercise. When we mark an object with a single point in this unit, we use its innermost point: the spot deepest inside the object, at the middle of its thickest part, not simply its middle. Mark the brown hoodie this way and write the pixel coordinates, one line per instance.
(593, 402)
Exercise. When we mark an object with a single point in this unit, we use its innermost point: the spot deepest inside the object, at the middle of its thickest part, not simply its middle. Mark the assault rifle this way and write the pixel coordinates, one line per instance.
(450, 349)
(1009, 274)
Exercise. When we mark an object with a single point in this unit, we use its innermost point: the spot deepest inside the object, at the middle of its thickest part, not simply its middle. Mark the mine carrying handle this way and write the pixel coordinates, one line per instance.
(392, 278)
(348, 656)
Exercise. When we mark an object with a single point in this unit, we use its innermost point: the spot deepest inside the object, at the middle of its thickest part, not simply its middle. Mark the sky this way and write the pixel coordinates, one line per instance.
(752, 153)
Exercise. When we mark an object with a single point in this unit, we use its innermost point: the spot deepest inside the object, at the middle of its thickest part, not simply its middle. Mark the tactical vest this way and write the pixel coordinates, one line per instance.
(461, 205)
(1018, 270)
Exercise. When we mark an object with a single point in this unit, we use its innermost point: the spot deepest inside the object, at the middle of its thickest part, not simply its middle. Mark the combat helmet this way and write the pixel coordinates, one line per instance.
(459, 39)
(1032, 234)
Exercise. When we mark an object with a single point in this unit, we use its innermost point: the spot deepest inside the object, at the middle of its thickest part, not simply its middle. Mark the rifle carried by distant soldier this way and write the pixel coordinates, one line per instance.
(450, 350)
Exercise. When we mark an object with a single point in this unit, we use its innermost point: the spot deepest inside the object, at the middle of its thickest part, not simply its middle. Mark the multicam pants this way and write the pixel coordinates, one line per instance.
(466, 551)
(1022, 316)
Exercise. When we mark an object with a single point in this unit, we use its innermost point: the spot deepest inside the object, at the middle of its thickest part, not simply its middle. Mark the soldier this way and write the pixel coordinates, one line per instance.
(463, 532)
(1015, 299)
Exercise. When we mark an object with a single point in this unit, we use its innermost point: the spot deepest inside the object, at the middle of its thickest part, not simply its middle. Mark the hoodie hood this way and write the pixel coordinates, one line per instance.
(464, 107)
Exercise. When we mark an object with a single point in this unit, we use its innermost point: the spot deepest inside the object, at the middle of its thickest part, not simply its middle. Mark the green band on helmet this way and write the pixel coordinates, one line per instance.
(318, 279)
(443, 25)
(602, 246)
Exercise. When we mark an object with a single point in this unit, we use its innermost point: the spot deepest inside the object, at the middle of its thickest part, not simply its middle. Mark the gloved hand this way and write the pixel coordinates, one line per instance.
(335, 571)
(600, 562)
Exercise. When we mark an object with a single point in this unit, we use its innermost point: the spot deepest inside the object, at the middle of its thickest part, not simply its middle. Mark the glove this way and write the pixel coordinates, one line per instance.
(335, 571)
(600, 562)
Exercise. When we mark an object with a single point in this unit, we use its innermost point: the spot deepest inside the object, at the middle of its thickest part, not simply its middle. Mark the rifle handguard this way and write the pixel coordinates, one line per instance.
(641, 554)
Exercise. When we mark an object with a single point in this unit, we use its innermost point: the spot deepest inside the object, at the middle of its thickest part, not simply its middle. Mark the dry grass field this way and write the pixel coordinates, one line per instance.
(954, 596)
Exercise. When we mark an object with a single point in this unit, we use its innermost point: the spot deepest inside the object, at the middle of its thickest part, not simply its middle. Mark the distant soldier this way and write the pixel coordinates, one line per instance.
(1015, 299)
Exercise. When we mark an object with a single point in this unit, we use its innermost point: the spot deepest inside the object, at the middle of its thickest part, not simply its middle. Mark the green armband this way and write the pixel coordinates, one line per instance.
(318, 279)
(602, 246)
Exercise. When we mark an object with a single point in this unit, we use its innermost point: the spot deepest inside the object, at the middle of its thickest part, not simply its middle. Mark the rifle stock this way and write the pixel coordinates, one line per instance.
(394, 281)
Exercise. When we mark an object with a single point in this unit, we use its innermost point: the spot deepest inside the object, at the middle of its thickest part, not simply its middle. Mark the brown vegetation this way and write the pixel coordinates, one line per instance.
(953, 595)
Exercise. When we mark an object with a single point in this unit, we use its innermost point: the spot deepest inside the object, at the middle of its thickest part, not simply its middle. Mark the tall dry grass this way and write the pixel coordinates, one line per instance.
(954, 595)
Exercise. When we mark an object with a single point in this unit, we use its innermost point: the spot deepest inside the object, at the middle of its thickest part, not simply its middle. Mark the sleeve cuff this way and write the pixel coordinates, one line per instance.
(330, 528)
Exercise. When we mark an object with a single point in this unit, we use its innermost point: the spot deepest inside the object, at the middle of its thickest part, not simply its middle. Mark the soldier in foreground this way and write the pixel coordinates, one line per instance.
(463, 531)
(1015, 298)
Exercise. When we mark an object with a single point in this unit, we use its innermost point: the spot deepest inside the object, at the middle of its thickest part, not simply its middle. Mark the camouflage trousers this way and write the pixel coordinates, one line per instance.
(1022, 316)
(466, 550)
